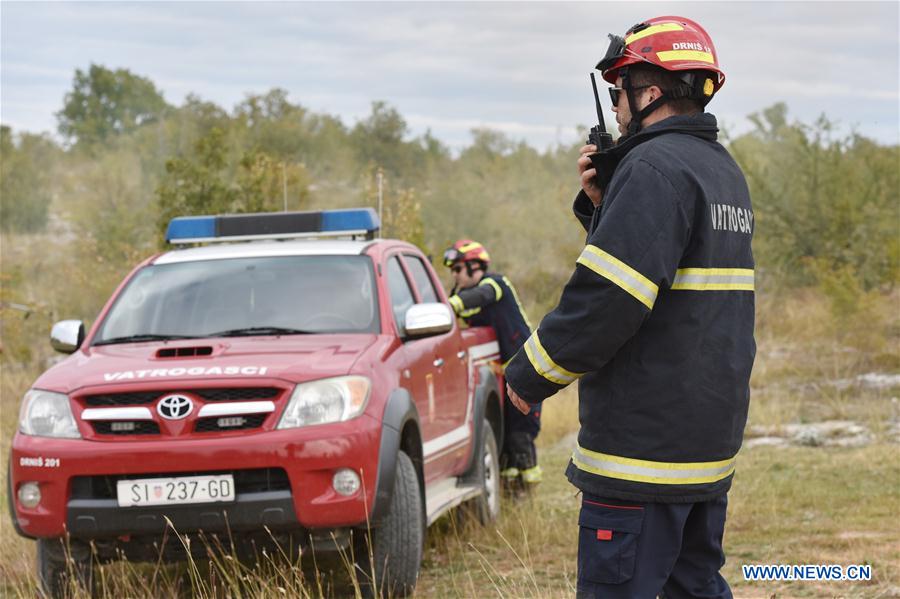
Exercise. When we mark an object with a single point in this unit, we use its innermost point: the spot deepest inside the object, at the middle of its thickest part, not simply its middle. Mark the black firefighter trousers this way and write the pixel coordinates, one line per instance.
(629, 550)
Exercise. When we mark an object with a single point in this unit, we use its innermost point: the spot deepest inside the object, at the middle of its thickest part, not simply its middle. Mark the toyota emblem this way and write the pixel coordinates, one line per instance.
(174, 407)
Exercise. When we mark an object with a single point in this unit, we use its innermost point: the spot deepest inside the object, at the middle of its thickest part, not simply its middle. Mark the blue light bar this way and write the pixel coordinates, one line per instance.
(191, 227)
(351, 219)
(274, 225)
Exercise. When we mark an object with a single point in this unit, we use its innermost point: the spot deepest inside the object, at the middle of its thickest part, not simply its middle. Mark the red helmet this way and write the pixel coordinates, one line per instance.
(466, 250)
(671, 43)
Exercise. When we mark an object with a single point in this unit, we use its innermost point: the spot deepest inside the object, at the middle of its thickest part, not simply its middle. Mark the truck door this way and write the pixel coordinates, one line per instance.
(436, 375)
(450, 355)
(423, 372)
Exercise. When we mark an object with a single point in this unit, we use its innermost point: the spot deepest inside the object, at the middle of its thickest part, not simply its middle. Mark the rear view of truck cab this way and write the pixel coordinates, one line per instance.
(279, 378)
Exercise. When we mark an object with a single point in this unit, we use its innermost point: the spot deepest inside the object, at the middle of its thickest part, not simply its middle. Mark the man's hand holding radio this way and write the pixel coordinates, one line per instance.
(589, 174)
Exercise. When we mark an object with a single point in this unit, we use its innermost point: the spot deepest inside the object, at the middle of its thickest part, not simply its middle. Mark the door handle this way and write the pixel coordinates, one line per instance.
(439, 362)
(461, 354)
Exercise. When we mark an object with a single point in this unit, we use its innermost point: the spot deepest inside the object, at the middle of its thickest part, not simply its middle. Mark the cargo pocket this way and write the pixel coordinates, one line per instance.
(607, 542)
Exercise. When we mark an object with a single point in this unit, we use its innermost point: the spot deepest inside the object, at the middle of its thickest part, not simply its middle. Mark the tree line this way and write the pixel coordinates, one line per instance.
(826, 205)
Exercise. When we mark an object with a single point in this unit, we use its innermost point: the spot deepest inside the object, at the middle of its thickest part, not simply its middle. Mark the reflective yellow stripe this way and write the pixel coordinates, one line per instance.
(498, 291)
(533, 475)
(457, 304)
(608, 266)
(518, 303)
(646, 471)
(470, 312)
(545, 366)
(695, 55)
(714, 279)
(652, 30)
(468, 247)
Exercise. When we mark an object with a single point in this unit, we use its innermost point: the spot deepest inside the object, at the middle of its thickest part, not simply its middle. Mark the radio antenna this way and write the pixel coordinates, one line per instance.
(597, 102)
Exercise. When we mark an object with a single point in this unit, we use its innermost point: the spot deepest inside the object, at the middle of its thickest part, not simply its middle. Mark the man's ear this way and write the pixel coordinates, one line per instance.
(652, 93)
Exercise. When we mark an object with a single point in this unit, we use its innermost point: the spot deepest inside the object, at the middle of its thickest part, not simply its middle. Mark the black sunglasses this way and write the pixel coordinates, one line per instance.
(456, 269)
(615, 92)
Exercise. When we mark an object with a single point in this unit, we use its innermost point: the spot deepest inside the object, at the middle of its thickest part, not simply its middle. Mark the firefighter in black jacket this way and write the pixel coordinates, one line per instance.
(656, 324)
(484, 298)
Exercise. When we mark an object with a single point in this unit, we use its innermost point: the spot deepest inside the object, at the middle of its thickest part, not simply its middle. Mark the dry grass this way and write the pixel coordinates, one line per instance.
(794, 505)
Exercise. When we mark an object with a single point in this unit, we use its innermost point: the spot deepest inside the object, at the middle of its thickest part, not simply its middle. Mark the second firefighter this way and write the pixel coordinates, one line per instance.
(483, 298)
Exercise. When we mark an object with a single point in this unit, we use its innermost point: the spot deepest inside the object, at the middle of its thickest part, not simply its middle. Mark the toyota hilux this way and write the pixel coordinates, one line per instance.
(279, 377)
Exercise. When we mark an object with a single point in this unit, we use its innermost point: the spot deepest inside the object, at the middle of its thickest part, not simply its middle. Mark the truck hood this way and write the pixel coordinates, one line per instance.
(290, 358)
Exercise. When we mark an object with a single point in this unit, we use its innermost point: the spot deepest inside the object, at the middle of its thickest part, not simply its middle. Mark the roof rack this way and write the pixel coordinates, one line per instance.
(353, 223)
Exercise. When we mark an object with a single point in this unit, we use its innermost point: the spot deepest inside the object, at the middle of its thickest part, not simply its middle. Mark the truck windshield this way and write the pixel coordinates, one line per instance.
(281, 295)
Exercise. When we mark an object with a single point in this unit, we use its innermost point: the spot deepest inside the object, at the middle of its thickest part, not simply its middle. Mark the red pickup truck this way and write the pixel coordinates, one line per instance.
(285, 386)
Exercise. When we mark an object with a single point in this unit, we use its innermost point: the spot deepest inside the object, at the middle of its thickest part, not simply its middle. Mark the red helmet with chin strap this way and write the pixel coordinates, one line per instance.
(674, 44)
(670, 43)
(466, 250)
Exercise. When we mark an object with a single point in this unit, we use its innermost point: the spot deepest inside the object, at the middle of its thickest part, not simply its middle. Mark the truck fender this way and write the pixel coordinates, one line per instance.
(399, 412)
(486, 387)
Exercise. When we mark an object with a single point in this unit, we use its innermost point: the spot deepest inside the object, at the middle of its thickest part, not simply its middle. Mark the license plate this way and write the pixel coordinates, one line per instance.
(177, 490)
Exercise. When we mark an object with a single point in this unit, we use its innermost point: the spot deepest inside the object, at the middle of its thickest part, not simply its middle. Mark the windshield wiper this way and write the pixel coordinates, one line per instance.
(143, 337)
(249, 331)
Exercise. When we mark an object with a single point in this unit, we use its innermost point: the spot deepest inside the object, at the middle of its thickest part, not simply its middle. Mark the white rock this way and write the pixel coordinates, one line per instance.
(766, 442)
(831, 433)
(878, 380)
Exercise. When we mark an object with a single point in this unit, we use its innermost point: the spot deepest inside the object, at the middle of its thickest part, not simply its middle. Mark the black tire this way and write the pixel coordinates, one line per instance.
(63, 567)
(389, 556)
(485, 508)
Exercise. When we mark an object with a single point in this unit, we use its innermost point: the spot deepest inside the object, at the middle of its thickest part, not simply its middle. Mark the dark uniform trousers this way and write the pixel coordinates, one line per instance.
(643, 550)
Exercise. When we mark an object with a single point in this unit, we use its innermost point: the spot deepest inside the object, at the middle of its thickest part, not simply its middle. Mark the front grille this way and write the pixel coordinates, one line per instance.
(229, 423)
(135, 427)
(245, 481)
(237, 393)
(122, 399)
(137, 398)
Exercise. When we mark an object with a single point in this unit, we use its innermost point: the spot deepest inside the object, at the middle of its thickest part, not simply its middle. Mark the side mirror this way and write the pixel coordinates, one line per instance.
(67, 335)
(428, 319)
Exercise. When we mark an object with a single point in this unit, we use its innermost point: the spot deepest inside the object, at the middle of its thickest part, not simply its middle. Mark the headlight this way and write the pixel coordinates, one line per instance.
(46, 414)
(328, 400)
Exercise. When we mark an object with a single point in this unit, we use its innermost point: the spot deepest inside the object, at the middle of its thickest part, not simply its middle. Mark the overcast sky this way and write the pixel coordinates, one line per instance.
(521, 68)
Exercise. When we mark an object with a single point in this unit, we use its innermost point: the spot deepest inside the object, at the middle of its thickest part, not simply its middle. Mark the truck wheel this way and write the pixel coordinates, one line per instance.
(392, 551)
(63, 568)
(486, 507)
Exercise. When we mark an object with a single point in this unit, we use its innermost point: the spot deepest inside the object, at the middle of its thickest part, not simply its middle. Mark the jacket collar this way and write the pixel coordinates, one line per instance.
(701, 124)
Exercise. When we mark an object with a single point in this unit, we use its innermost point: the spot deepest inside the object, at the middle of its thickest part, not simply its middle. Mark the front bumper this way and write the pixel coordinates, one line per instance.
(98, 518)
(308, 456)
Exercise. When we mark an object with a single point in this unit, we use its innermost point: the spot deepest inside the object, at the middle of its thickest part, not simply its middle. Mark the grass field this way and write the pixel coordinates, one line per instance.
(801, 503)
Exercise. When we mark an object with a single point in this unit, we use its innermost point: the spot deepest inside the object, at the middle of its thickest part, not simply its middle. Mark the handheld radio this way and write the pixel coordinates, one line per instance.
(598, 135)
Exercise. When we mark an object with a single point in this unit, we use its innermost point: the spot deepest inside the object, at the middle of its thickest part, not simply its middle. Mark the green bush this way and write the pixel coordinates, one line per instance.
(27, 163)
(821, 199)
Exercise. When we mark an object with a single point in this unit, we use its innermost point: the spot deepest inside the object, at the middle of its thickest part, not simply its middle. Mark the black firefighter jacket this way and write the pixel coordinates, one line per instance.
(494, 303)
(656, 322)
